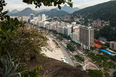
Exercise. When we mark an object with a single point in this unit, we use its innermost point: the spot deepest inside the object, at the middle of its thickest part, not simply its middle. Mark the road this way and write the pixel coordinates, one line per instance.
(70, 62)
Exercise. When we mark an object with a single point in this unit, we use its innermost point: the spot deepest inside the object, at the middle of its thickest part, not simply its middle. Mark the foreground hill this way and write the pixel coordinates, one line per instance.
(25, 12)
(105, 11)
(53, 13)
(55, 68)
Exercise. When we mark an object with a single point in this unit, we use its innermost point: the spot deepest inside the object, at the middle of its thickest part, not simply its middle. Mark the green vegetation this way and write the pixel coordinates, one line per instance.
(95, 73)
(34, 73)
(105, 11)
(106, 32)
(93, 48)
(8, 67)
(97, 57)
(109, 56)
(22, 41)
(56, 44)
(107, 44)
(107, 74)
(49, 20)
(70, 47)
(87, 50)
(79, 58)
(79, 66)
(114, 73)
(59, 37)
(111, 63)
(105, 64)
(106, 69)
(48, 3)
(103, 47)
(64, 36)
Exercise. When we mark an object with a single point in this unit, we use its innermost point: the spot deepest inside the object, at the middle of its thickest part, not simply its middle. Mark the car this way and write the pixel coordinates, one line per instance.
(63, 57)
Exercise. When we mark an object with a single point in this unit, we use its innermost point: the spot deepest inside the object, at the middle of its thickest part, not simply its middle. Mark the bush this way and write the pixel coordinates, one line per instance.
(79, 66)
(103, 47)
(107, 74)
(70, 47)
(106, 69)
(95, 73)
(79, 58)
(114, 73)
(23, 46)
(59, 37)
(34, 73)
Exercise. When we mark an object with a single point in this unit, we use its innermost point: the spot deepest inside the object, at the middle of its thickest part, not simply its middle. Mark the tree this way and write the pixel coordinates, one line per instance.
(70, 47)
(107, 74)
(95, 73)
(93, 48)
(105, 64)
(79, 58)
(103, 47)
(106, 69)
(107, 44)
(39, 3)
(111, 63)
(114, 73)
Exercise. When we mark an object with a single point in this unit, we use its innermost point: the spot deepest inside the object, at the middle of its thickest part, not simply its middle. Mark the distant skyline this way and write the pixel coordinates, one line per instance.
(19, 5)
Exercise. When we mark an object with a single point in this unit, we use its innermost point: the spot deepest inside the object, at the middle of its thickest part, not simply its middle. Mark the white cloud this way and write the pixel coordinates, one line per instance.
(19, 5)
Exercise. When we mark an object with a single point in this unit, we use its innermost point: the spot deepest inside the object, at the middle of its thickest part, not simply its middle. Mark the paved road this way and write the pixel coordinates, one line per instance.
(111, 72)
(66, 55)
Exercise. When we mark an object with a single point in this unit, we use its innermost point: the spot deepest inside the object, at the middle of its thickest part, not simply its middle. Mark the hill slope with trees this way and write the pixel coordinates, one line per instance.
(105, 11)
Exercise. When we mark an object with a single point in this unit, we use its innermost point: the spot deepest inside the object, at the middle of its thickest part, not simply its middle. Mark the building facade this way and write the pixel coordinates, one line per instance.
(113, 45)
(86, 37)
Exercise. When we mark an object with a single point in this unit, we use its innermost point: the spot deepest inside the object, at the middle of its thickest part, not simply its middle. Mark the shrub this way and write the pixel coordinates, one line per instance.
(79, 58)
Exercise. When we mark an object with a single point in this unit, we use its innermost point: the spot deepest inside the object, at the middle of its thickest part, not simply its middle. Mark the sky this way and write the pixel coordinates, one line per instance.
(19, 5)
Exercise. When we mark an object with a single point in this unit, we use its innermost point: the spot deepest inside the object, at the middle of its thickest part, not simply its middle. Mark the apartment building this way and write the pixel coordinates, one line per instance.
(86, 37)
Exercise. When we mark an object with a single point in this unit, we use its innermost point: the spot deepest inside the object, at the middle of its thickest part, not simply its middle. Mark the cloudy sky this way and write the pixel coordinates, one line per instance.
(19, 5)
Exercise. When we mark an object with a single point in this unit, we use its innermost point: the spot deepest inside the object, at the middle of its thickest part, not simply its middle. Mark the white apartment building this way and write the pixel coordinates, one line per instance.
(43, 17)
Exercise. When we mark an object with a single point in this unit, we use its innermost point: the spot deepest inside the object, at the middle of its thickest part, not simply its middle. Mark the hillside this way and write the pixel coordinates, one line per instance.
(25, 12)
(55, 68)
(105, 11)
(53, 13)
(68, 9)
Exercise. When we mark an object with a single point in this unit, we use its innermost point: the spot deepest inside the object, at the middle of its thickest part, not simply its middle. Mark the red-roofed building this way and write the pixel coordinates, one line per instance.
(98, 43)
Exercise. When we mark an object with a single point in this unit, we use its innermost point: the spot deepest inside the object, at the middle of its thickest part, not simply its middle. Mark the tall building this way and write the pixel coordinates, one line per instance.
(43, 17)
(113, 45)
(31, 16)
(73, 24)
(86, 37)
(67, 31)
(39, 18)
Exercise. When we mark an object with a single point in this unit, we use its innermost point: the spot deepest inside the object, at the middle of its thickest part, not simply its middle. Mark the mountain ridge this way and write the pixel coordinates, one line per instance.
(68, 9)
(52, 13)
(25, 12)
(14, 11)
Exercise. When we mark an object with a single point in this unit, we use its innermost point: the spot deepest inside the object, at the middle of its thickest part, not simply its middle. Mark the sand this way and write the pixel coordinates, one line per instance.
(52, 51)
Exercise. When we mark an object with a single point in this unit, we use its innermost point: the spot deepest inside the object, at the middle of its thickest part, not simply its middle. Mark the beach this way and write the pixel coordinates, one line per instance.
(53, 51)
